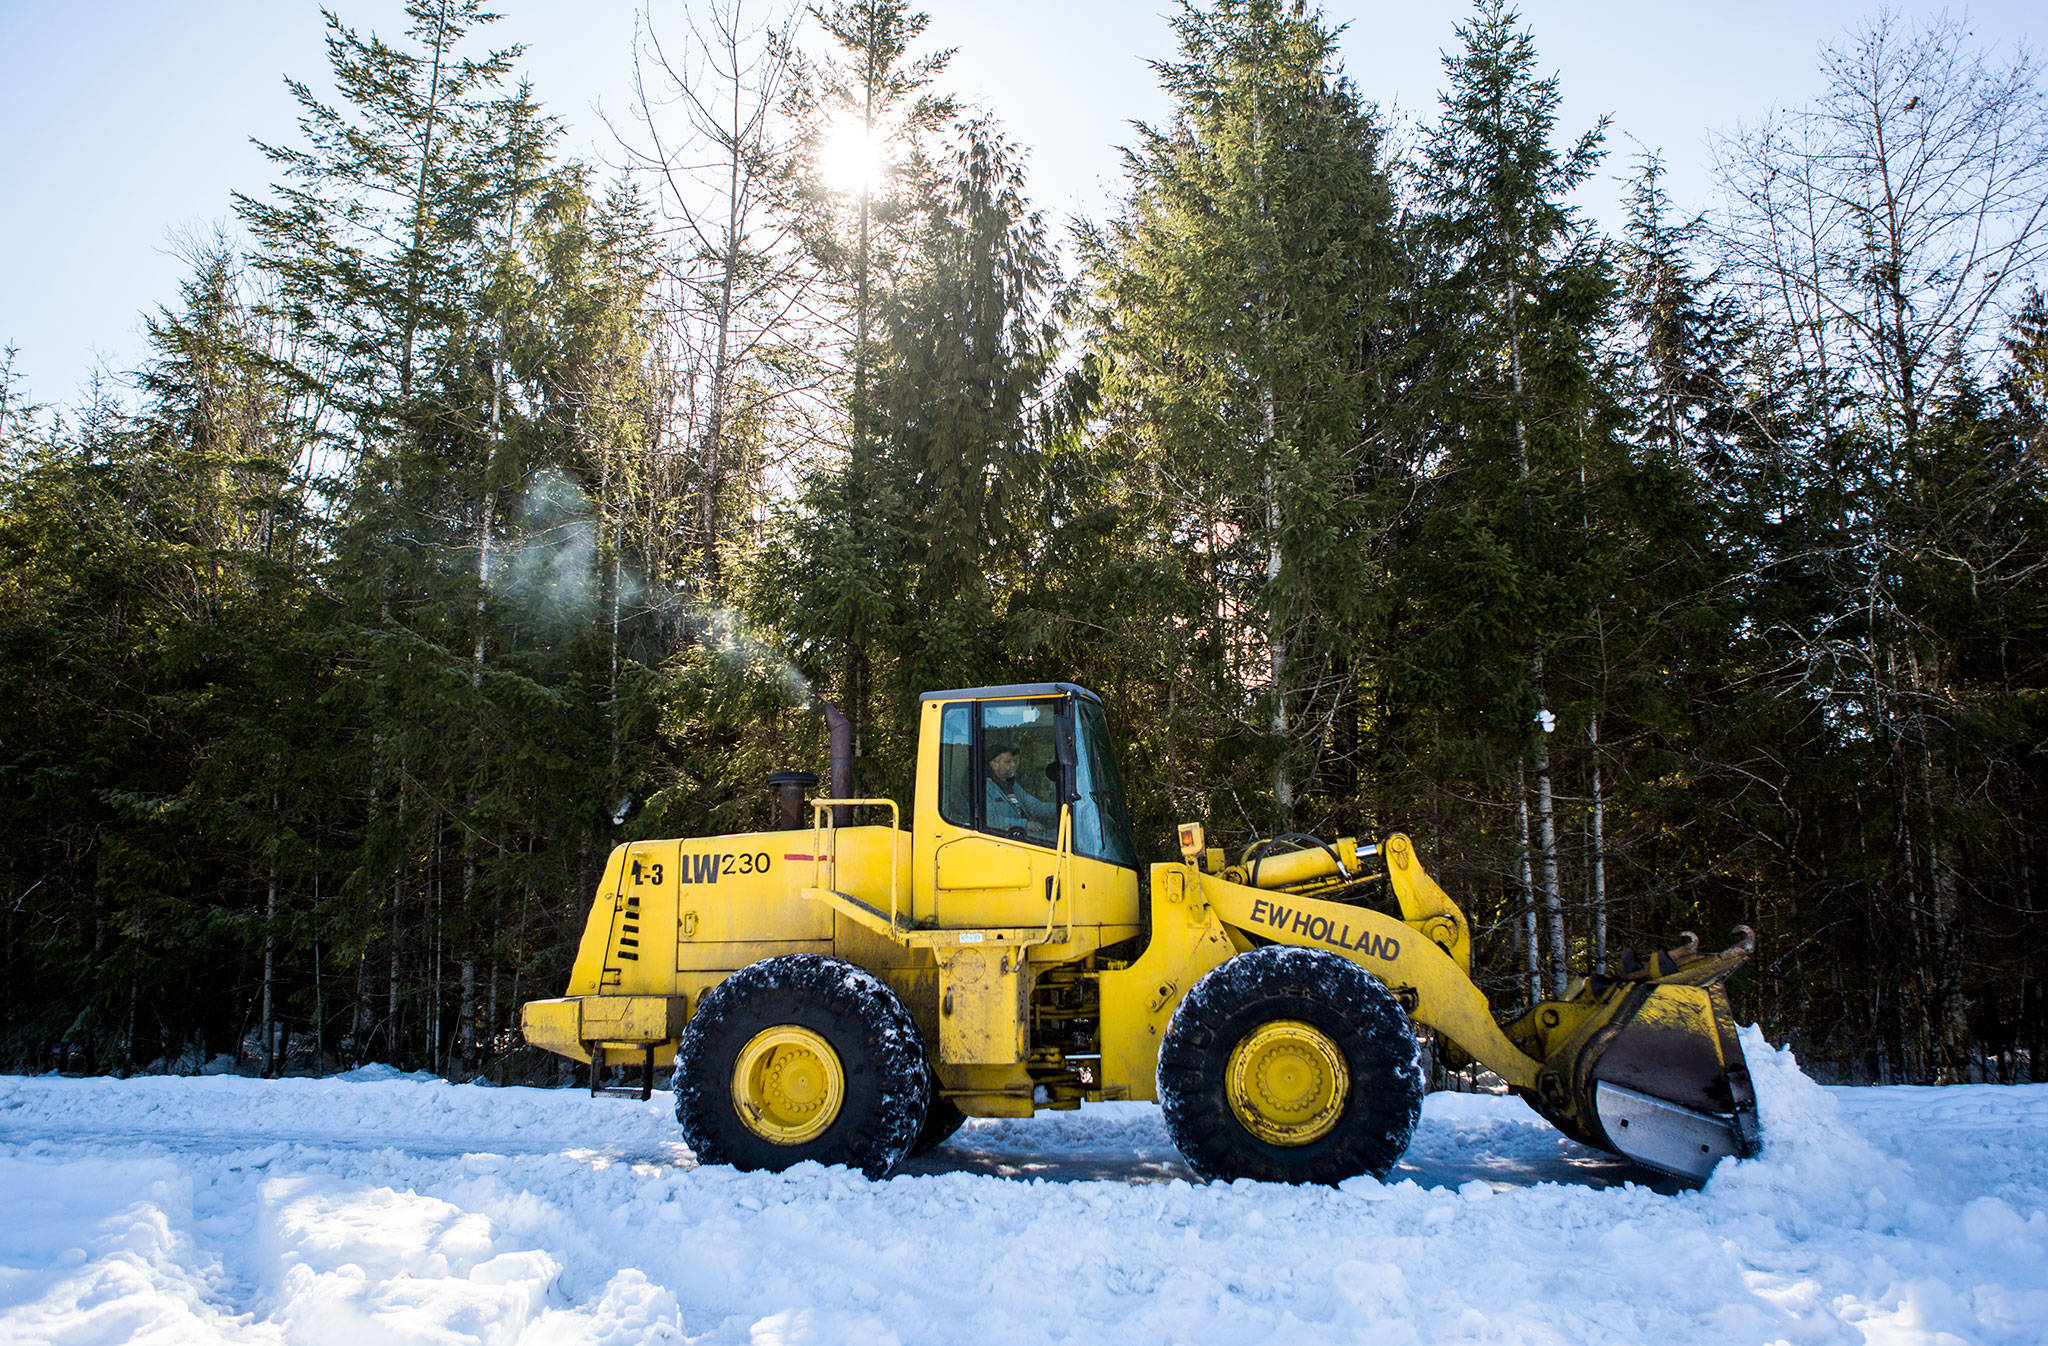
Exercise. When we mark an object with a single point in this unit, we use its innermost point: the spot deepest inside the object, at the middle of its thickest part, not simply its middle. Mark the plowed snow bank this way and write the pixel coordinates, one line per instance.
(394, 1208)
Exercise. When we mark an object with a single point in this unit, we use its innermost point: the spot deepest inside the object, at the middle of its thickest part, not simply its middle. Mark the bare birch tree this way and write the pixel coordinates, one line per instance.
(708, 130)
(1884, 235)
(1891, 226)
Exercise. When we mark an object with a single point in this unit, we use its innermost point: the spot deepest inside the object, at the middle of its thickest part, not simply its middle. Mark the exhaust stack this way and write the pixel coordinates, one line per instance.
(789, 787)
(841, 730)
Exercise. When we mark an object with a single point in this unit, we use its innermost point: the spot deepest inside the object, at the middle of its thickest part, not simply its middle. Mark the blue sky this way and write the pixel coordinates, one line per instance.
(127, 121)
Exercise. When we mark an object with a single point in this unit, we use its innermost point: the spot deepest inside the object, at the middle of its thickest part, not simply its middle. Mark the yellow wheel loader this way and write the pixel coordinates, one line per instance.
(849, 991)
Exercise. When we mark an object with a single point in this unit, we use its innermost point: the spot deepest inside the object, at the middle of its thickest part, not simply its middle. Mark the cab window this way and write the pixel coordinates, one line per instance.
(956, 764)
(998, 774)
(1019, 798)
(1102, 826)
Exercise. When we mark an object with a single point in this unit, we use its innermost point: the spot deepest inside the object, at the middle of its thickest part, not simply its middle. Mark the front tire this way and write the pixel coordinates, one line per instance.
(800, 1058)
(1287, 1064)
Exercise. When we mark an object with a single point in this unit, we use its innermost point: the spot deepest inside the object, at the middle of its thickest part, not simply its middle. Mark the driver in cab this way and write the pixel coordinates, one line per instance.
(1012, 809)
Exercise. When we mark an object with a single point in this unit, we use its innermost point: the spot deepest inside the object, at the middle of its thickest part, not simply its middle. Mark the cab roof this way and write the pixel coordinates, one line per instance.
(1010, 690)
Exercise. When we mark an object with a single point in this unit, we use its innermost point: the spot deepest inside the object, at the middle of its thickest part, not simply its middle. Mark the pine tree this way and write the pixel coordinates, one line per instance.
(373, 232)
(159, 555)
(963, 349)
(1687, 334)
(1246, 327)
(472, 314)
(1520, 294)
(968, 350)
(867, 111)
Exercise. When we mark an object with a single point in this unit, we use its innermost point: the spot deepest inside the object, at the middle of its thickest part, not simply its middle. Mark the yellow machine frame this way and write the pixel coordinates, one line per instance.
(968, 928)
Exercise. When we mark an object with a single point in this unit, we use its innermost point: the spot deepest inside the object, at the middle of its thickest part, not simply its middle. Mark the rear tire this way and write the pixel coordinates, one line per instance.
(800, 1058)
(941, 1120)
(1298, 1044)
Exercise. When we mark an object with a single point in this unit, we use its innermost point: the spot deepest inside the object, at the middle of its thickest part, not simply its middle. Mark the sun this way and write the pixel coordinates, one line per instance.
(853, 158)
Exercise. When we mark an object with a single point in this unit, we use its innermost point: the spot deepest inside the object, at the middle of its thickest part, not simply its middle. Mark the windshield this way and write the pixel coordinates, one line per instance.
(1102, 826)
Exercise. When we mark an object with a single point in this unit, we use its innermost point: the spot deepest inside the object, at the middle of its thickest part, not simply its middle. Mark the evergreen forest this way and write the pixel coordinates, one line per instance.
(476, 509)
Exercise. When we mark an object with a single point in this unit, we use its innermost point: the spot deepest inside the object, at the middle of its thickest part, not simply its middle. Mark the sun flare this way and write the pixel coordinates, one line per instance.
(854, 158)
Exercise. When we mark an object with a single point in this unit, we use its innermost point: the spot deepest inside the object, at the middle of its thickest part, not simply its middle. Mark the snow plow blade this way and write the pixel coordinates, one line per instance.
(1652, 1070)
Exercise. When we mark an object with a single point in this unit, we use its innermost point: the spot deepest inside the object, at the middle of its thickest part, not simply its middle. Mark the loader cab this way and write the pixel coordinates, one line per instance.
(996, 765)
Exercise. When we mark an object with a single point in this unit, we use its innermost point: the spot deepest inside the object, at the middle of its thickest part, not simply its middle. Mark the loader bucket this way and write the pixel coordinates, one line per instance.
(1654, 1073)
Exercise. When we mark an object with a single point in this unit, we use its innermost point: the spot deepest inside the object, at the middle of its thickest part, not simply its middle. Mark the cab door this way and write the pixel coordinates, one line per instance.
(995, 862)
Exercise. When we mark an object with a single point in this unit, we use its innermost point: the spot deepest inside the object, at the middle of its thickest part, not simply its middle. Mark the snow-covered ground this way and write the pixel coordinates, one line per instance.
(389, 1208)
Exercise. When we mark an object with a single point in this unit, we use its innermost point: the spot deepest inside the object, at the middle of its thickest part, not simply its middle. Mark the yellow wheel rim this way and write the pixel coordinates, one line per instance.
(1286, 1083)
(788, 1084)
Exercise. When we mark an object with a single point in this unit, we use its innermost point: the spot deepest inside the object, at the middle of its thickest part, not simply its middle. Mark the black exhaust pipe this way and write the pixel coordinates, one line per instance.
(789, 787)
(841, 730)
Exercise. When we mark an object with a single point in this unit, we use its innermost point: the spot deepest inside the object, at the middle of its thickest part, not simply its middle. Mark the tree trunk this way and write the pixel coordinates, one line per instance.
(1532, 965)
(858, 671)
(1276, 616)
(359, 1011)
(128, 1034)
(319, 1001)
(464, 1045)
(465, 1026)
(419, 211)
(269, 969)
(1276, 648)
(394, 977)
(1599, 856)
(436, 918)
(1553, 899)
(721, 360)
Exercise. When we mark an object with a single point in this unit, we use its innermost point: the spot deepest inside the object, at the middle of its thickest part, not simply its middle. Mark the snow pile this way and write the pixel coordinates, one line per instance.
(1816, 1168)
(395, 1209)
